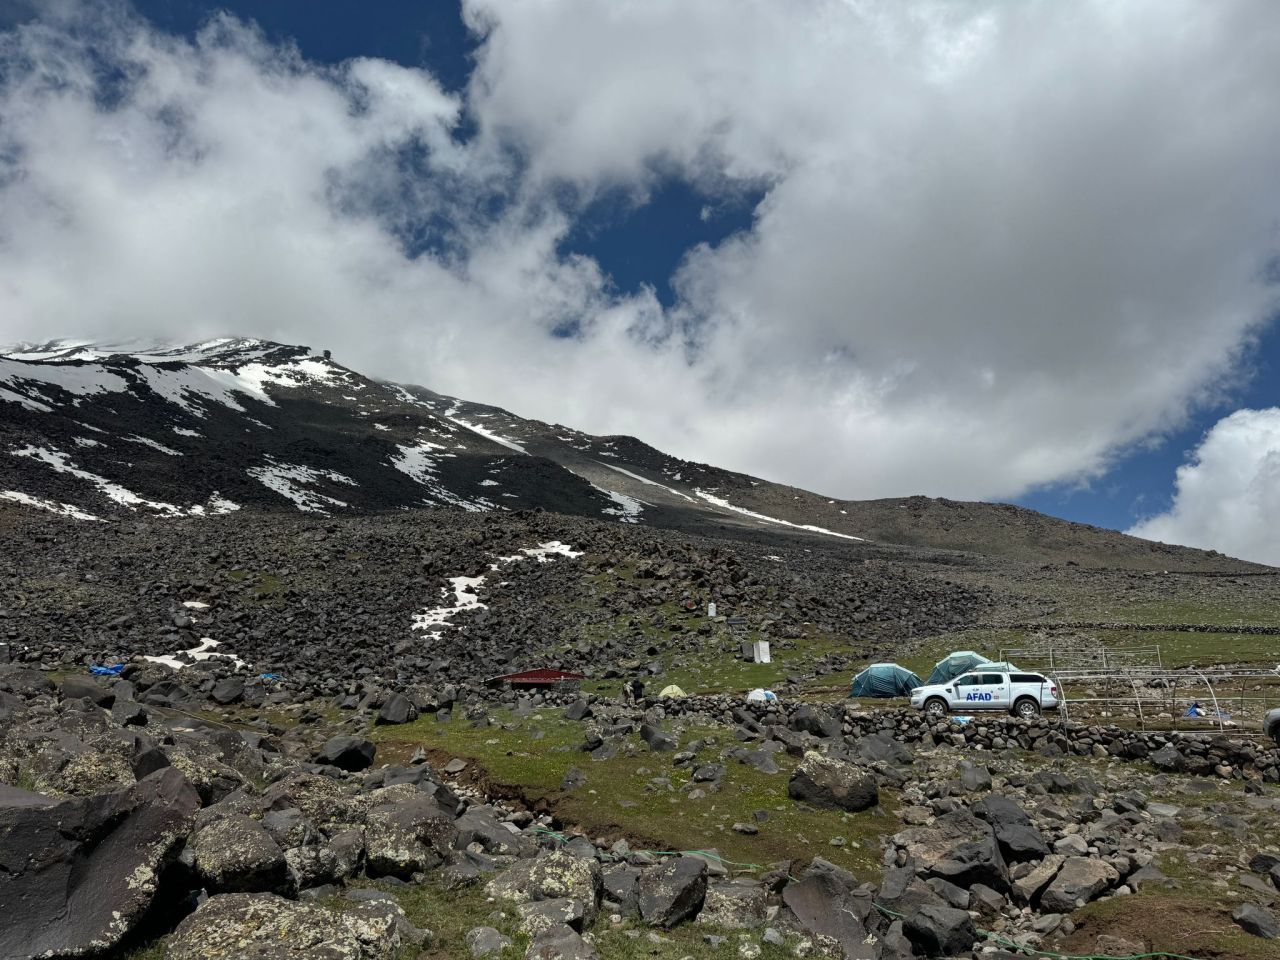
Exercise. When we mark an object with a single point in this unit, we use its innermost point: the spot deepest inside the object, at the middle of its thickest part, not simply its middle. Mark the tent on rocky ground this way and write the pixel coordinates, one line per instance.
(672, 691)
(884, 680)
(954, 664)
(761, 695)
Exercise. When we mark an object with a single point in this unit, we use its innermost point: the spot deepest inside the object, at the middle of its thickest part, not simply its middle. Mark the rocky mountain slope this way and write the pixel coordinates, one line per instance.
(254, 612)
(94, 431)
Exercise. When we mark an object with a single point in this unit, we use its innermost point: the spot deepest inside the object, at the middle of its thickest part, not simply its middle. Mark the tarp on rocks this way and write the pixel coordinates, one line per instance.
(954, 664)
(884, 680)
(672, 691)
(761, 695)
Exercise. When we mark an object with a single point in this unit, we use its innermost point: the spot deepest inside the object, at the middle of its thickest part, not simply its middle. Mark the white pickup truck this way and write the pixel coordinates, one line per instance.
(1023, 694)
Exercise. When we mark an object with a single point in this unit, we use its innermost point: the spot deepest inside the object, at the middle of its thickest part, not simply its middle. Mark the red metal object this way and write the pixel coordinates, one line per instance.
(535, 678)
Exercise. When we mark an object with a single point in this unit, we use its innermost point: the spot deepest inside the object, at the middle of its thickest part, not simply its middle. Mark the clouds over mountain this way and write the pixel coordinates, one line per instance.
(997, 242)
(1228, 494)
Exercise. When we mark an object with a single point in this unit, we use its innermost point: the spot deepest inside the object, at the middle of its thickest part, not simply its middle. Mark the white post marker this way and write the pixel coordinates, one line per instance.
(711, 611)
(762, 652)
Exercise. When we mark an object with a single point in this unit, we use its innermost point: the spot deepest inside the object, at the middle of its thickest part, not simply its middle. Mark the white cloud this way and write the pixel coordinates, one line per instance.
(1228, 495)
(999, 242)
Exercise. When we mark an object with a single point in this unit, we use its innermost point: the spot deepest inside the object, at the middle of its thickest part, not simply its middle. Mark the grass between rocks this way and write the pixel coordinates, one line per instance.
(643, 797)
(449, 914)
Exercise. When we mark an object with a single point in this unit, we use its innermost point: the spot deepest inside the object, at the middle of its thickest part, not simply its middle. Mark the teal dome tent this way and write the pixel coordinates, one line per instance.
(954, 664)
(884, 680)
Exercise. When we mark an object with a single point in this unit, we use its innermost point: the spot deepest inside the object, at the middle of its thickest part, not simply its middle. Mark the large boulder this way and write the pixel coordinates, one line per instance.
(81, 873)
(553, 876)
(75, 687)
(1079, 881)
(264, 926)
(810, 719)
(957, 847)
(825, 904)
(407, 837)
(827, 782)
(938, 931)
(237, 855)
(348, 753)
(672, 891)
(735, 905)
(398, 709)
(1255, 920)
(1018, 838)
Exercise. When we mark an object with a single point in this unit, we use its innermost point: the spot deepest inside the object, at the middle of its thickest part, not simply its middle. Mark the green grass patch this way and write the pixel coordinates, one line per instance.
(644, 797)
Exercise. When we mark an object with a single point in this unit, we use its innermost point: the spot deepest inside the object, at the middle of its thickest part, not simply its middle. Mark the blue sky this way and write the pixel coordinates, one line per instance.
(841, 319)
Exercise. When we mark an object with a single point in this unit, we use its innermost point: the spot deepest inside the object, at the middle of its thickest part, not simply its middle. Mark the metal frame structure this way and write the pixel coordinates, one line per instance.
(1169, 690)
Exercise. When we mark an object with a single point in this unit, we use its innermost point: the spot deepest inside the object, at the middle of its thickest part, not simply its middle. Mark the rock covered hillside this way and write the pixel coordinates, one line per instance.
(94, 431)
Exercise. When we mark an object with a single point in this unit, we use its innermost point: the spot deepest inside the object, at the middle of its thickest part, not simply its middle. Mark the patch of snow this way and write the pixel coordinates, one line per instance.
(85, 442)
(63, 509)
(27, 402)
(543, 553)
(80, 380)
(60, 462)
(290, 480)
(195, 605)
(488, 435)
(416, 461)
(381, 426)
(147, 442)
(652, 483)
(182, 386)
(725, 504)
(206, 651)
(184, 432)
(217, 506)
(628, 509)
(465, 590)
(490, 483)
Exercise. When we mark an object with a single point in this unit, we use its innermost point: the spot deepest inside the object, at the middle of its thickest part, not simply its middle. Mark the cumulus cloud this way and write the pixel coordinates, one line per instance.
(1228, 495)
(998, 243)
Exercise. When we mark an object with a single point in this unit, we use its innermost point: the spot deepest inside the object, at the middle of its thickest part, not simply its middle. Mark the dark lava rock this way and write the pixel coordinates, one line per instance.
(348, 753)
(73, 688)
(827, 782)
(398, 709)
(939, 931)
(658, 740)
(1257, 921)
(227, 691)
(673, 891)
(82, 872)
(1019, 840)
(237, 855)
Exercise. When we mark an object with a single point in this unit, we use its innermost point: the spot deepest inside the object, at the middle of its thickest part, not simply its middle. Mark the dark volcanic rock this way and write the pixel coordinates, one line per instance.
(398, 709)
(81, 873)
(348, 753)
(827, 782)
(673, 891)
(939, 931)
(237, 855)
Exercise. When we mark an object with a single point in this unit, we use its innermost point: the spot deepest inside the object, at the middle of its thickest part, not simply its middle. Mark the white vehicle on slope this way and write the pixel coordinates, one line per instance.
(1022, 694)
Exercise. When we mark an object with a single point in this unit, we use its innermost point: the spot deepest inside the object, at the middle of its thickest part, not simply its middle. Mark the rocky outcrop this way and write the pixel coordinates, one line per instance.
(81, 873)
(263, 926)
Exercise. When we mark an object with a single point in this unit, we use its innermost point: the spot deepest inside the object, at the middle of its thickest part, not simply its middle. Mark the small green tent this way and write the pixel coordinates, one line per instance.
(884, 680)
(954, 664)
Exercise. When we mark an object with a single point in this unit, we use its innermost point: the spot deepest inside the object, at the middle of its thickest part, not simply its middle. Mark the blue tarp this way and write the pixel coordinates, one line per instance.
(954, 664)
(107, 671)
(884, 680)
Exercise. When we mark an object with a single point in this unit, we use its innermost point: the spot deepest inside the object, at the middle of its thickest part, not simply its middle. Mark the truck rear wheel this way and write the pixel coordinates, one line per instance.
(1027, 708)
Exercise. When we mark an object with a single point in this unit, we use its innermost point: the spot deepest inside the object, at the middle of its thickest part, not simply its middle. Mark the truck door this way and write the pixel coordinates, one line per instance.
(995, 691)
